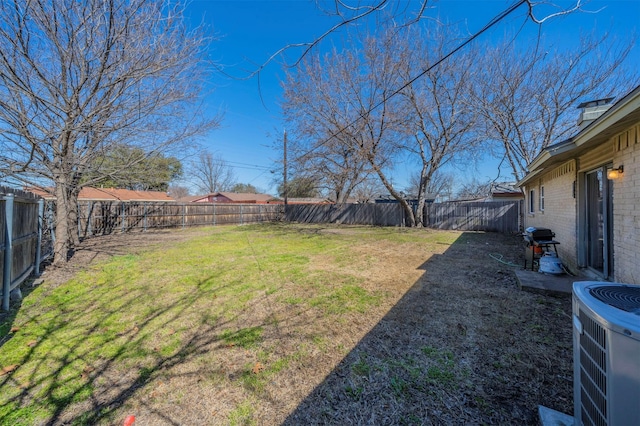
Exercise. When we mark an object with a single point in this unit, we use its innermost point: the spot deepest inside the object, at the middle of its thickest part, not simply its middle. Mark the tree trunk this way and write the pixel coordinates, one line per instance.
(422, 189)
(395, 194)
(74, 213)
(61, 246)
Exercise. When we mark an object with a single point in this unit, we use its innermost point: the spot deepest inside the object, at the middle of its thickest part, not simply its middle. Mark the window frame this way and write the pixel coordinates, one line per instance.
(532, 202)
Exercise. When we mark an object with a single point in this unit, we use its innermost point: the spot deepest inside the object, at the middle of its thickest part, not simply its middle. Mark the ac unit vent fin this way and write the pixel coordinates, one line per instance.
(593, 371)
(626, 298)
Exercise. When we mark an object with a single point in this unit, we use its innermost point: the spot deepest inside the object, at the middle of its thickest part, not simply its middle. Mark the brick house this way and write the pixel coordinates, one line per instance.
(586, 189)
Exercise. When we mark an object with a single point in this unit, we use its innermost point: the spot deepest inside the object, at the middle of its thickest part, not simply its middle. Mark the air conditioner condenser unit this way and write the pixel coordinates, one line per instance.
(606, 353)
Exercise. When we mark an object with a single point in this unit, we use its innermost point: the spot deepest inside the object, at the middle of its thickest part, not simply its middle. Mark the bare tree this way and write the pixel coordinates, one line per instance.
(178, 191)
(342, 113)
(371, 111)
(440, 185)
(212, 173)
(527, 100)
(335, 168)
(320, 147)
(439, 119)
(368, 190)
(78, 77)
(404, 14)
(474, 189)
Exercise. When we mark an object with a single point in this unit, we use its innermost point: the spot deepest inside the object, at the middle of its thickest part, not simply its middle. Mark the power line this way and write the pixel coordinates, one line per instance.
(490, 24)
(248, 166)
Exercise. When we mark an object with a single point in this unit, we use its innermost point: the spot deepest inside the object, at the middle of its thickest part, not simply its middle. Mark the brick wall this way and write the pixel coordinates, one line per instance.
(626, 207)
(559, 212)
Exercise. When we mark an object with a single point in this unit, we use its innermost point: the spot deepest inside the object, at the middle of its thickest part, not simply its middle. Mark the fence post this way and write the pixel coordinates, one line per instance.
(184, 212)
(122, 216)
(8, 246)
(214, 215)
(89, 219)
(52, 231)
(241, 218)
(144, 205)
(79, 220)
(39, 245)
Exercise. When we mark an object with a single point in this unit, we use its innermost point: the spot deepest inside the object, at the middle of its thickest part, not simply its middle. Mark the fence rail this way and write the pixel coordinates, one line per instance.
(20, 240)
(105, 217)
(491, 216)
(348, 214)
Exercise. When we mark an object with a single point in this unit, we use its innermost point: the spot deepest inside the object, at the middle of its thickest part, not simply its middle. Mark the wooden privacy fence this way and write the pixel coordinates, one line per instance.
(106, 217)
(348, 214)
(491, 216)
(21, 216)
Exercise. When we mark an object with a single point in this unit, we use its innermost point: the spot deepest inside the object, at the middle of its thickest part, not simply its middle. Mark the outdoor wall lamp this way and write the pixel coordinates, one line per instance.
(615, 173)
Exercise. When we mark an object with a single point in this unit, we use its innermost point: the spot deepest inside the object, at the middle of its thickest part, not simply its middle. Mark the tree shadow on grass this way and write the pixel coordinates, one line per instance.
(106, 358)
(7, 318)
(463, 346)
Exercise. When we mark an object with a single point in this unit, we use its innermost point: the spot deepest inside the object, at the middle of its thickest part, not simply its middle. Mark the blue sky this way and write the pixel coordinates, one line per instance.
(250, 31)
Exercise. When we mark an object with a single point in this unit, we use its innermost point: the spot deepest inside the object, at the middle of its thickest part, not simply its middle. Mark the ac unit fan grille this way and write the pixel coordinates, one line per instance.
(626, 298)
(593, 372)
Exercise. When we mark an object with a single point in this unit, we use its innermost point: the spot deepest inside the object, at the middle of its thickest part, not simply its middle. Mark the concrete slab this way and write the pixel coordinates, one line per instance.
(549, 417)
(537, 282)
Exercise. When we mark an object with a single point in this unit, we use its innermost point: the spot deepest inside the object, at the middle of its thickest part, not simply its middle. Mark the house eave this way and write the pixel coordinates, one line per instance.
(529, 177)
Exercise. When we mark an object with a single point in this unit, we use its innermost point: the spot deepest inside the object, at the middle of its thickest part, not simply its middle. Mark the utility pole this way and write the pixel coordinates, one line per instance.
(284, 183)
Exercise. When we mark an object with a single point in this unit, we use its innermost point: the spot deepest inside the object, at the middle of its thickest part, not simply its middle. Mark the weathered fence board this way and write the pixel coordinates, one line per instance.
(107, 217)
(491, 216)
(348, 214)
(20, 239)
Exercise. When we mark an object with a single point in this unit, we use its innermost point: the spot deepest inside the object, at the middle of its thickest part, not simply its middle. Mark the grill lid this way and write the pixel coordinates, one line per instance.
(539, 233)
(626, 298)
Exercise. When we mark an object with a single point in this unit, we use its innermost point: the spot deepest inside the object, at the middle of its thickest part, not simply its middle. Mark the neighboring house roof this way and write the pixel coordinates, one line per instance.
(192, 198)
(238, 197)
(621, 115)
(309, 200)
(108, 194)
(229, 197)
(410, 198)
(505, 190)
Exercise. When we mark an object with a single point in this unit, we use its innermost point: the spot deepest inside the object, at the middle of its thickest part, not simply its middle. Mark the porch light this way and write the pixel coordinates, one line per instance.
(615, 173)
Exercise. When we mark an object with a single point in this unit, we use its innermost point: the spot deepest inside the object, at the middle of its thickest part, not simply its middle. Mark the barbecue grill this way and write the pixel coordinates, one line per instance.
(540, 240)
(538, 235)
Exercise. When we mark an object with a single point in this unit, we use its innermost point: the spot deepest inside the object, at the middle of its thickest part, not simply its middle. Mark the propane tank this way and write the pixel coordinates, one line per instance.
(550, 264)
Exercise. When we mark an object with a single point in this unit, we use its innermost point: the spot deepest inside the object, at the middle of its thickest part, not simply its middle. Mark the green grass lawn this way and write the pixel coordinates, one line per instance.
(122, 327)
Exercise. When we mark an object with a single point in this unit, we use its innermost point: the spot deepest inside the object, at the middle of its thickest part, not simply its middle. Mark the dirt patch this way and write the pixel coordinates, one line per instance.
(452, 341)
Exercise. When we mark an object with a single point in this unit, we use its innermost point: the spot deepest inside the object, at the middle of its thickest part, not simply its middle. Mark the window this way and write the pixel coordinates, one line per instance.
(532, 201)
(541, 202)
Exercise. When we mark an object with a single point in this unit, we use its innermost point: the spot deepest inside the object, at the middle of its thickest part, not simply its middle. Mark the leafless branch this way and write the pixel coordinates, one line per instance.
(79, 78)
(532, 5)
